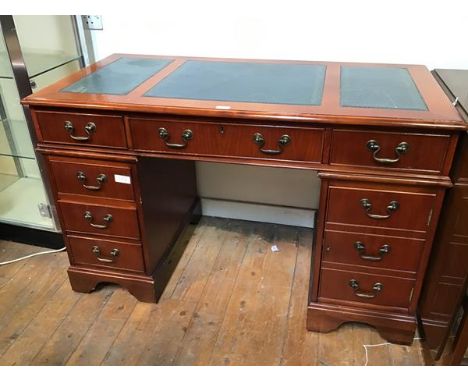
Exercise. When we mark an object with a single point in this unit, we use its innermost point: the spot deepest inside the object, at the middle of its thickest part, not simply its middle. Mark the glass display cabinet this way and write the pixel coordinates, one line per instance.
(35, 51)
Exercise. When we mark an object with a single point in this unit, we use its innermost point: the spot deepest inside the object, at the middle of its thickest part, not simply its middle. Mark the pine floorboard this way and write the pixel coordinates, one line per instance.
(231, 301)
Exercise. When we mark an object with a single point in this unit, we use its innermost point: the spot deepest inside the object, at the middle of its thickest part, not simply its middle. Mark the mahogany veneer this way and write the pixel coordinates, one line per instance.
(370, 250)
(92, 178)
(384, 173)
(349, 147)
(110, 253)
(227, 139)
(366, 288)
(108, 130)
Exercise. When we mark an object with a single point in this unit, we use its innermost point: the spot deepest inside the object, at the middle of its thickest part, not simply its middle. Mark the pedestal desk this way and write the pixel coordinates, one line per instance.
(121, 137)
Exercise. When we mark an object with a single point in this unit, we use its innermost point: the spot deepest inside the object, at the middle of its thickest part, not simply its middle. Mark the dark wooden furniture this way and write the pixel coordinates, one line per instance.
(446, 280)
(122, 135)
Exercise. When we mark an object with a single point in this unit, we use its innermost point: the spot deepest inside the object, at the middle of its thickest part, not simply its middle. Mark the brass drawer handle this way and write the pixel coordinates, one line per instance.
(376, 289)
(367, 205)
(259, 139)
(374, 146)
(113, 253)
(90, 128)
(361, 248)
(187, 135)
(89, 218)
(100, 179)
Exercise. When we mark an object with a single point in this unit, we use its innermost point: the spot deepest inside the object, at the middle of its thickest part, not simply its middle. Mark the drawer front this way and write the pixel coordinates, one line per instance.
(100, 219)
(82, 129)
(93, 178)
(106, 253)
(389, 150)
(229, 140)
(174, 136)
(380, 208)
(274, 142)
(372, 250)
(365, 288)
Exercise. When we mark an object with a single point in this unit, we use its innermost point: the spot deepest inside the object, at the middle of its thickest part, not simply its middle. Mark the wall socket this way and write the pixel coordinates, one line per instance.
(92, 22)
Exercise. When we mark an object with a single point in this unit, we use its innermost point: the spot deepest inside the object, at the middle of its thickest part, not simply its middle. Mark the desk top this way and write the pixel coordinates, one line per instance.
(349, 93)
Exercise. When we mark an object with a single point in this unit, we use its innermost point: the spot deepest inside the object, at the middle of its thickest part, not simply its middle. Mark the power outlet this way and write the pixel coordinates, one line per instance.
(92, 22)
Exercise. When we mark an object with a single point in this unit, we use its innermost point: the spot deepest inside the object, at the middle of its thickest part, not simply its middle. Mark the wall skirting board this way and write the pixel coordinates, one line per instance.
(258, 212)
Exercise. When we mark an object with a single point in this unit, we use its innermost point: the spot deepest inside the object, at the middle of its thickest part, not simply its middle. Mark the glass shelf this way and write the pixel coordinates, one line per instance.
(15, 139)
(20, 195)
(48, 47)
(375, 87)
(294, 84)
(36, 63)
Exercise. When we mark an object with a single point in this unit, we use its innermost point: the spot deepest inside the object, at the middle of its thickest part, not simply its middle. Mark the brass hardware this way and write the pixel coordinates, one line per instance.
(89, 218)
(367, 205)
(97, 252)
(100, 179)
(90, 128)
(377, 288)
(260, 141)
(383, 250)
(374, 146)
(187, 135)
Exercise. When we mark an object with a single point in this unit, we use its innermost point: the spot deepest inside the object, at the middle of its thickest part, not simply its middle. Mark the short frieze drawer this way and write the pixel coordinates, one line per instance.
(81, 129)
(390, 150)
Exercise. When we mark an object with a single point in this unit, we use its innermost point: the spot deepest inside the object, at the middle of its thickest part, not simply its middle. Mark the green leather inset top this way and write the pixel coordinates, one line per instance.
(374, 87)
(119, 77)
(277, 83)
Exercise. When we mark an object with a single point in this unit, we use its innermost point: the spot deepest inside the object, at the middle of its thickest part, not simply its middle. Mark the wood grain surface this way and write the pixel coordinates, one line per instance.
(242, 304)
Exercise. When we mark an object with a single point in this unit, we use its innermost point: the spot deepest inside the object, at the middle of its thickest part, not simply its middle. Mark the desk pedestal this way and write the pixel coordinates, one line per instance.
(371, 249)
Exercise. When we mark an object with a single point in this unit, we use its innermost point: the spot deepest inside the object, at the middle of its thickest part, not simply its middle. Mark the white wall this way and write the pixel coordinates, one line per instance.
(410, 31)
(416, 32)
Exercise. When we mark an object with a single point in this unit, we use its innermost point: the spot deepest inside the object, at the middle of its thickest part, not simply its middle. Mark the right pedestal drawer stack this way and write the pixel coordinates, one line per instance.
(374, 232)
(373, 242)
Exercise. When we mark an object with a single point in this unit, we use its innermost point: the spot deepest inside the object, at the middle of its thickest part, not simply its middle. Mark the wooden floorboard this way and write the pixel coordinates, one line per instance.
(300, 346)
(42, 327)
(231, 300)
(202, 332)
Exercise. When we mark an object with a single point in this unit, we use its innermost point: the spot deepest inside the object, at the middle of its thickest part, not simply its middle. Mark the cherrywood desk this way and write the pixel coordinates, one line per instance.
(120, 139)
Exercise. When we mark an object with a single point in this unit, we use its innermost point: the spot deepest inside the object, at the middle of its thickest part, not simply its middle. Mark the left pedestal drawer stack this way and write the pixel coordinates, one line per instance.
(99, 198)
(100, 219)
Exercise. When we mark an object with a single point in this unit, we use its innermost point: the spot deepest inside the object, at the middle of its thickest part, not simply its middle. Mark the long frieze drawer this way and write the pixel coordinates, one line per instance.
(100, 219)
(365, 288)
(229, 140)
(390, 150)
(106, 253)
(395, 253)
(92, 178)
(81, 129)
(380, 208)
